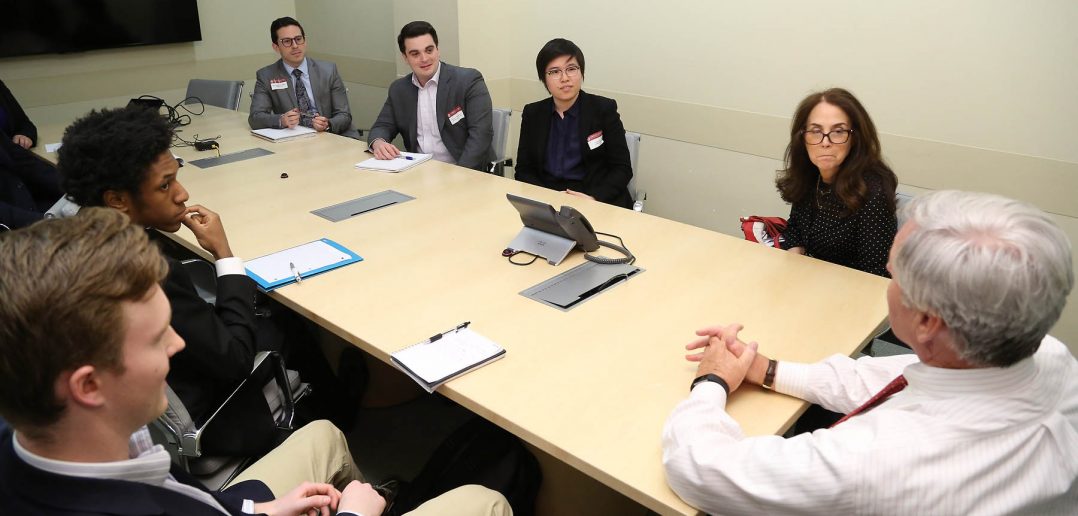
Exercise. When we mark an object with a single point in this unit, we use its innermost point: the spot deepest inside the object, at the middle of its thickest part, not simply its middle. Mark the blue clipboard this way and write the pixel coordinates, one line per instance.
(276, 270)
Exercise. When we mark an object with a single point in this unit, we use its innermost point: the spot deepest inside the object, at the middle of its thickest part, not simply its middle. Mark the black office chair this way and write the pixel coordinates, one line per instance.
(186, 439)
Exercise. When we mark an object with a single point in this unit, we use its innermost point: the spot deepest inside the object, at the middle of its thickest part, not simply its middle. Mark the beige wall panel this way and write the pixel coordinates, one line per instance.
(366, 102)
(349, 28)
(442, 14)
(970, 72)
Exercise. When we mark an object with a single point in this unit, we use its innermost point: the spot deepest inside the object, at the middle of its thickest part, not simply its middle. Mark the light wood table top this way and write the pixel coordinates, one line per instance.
(592, 386)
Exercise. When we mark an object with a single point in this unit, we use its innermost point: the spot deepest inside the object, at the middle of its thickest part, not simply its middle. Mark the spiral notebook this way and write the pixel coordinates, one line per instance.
(446, 356)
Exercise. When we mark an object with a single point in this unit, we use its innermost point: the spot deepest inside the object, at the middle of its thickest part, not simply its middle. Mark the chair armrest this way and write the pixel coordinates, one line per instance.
(191, 439)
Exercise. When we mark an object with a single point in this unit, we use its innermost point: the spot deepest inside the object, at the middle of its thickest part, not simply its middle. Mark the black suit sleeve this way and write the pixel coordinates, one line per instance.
(20, 123)
(28, 185)
(609, 183)
(220, 339)
(529, 162)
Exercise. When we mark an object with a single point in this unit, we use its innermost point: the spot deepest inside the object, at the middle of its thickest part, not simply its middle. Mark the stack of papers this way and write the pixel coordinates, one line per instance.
(284, 135)
(445, 356)
(406, 161)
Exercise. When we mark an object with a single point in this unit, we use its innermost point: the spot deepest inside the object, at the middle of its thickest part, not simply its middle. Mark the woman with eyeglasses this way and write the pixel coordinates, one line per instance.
(573, 141)
(843, 194)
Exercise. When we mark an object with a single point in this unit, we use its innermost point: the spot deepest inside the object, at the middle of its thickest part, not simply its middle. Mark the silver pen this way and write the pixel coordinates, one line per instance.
(295, 272)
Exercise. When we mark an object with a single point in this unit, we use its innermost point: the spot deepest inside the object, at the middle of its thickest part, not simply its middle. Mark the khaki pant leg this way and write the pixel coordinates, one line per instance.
(318, 452)
(469, 500)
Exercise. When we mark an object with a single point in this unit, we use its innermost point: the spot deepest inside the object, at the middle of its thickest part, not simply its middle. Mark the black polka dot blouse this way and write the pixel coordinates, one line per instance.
(861, 240)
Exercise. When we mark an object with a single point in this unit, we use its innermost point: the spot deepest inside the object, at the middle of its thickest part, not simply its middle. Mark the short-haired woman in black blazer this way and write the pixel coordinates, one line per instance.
(573, 141)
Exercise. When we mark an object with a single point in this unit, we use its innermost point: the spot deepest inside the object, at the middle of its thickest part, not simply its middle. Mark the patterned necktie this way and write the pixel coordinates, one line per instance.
(896, 385)
(302, 99)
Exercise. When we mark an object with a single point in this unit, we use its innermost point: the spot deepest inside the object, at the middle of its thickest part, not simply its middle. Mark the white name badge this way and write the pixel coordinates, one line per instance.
(281, 84)
(595, 140)
(456, 115)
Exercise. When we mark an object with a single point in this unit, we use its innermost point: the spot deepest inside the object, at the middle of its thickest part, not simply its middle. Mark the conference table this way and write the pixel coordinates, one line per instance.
(591, 386)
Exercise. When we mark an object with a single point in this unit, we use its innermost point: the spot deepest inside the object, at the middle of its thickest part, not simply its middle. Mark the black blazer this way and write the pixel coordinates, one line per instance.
(18, 122)
(221, 338)
(607, 168)
(25, 489)
(28, 185)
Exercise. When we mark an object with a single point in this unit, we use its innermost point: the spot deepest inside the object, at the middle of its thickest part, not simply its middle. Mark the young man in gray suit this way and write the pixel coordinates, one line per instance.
(297, 90)
(438, 109)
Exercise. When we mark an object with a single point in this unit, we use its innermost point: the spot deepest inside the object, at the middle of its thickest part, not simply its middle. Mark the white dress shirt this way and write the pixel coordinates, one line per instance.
(955, 441)
(428, 135)
(149, 464)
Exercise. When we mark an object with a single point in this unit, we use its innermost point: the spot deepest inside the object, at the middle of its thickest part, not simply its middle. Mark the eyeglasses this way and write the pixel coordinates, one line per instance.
(836, 136)
(287, 42)
(570, 71)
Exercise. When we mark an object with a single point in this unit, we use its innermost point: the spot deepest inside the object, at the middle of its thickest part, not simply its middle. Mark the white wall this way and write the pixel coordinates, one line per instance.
(969, 94)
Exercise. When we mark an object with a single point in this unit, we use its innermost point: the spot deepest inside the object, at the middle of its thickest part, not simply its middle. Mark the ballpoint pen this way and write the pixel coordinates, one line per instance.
(295, 272)
(402, 156)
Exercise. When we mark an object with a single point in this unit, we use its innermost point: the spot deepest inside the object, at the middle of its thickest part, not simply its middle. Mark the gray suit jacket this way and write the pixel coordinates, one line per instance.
(329, 96)
(469, 141)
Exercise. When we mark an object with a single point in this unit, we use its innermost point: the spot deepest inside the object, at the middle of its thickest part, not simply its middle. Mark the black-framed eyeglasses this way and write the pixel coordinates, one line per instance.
(570, 71)
(836, 136)
(287, 42)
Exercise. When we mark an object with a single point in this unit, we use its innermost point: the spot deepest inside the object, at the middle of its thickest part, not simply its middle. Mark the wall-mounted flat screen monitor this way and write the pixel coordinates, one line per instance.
(29, 27)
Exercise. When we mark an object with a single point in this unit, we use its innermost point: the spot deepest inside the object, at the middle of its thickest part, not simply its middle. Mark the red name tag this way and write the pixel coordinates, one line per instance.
(595, 135)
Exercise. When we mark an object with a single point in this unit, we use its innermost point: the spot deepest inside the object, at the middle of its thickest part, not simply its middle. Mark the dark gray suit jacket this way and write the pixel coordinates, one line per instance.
(469, 141)
(330, 97)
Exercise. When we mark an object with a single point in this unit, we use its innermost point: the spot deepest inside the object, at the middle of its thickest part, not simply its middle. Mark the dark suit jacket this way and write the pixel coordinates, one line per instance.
(25, 489)
(607, 168)
(28, 185)
(469, 140)
(221, 340)
(330, 97)
(18, 122)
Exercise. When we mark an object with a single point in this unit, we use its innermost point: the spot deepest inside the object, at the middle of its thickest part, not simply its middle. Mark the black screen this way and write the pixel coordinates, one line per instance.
(30, 27)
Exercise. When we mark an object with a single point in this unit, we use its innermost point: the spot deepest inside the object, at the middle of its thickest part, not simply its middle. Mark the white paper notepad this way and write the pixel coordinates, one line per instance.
(406, 161)
(445, 356)
(284, 135)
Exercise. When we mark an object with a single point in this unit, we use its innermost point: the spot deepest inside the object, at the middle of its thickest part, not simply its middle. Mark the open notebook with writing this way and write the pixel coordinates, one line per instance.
(445, 356)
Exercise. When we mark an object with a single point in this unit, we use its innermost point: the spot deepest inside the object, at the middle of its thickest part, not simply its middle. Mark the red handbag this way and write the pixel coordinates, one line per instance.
(764, 230)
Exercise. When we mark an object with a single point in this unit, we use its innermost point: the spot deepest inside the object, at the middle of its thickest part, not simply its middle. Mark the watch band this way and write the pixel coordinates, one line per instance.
(710, 377)
(769, 376)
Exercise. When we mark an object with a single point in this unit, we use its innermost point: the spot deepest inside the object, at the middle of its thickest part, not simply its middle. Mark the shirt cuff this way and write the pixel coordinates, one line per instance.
(792, 378)
(231, 265)
(248, 506)
(709, 392)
